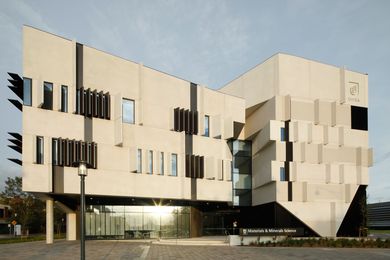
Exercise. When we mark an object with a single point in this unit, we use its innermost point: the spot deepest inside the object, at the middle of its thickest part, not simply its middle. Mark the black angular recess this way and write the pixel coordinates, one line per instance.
(17, 161)
(17, 84)
(16, 103)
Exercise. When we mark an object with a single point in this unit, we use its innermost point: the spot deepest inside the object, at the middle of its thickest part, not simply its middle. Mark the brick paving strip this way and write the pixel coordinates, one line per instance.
(69, 250)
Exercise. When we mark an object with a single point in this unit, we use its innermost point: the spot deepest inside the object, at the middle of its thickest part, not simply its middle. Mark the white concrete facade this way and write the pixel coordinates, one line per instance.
(329, 158)
(329, 161)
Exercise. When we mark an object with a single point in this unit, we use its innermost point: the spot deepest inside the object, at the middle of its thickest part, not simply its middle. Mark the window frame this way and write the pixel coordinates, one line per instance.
(282, 134)
(44, 104)
(131, 101)
(207, 129)
(24, 92)
(64, 107)
(139, 160)
(150, 162)
(39, 150)
(174, 173)
(162, 163)
(282, 173)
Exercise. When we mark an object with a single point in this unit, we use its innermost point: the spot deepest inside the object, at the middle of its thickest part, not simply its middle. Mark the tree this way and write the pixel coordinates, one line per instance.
(26, 209)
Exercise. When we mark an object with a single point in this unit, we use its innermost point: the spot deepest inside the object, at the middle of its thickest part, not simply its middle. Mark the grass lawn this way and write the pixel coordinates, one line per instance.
(379, 231)
(28, 239)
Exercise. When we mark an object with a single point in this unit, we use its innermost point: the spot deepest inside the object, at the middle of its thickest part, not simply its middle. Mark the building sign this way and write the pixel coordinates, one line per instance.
(271, 231)
(354, 92)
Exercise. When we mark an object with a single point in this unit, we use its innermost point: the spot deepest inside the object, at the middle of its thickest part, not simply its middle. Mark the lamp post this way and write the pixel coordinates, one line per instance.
(82, 173)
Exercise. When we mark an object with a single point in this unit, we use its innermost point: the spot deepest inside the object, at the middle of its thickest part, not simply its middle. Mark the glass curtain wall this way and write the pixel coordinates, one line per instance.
(241, 172)
(137, 222)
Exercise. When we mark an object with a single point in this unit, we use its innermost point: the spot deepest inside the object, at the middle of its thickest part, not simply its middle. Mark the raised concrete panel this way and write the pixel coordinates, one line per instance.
(260, 118)
(265, 194)
(343, 115)
(302, 110)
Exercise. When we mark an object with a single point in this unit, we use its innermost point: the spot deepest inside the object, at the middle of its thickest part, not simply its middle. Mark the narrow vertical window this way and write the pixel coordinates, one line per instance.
(27, 92)
(64, 98)
(54, 149)
(174, 165)
(150, 159)
(39, 150)
(282, 134)
(207, 126)
(128, 111)
(162, 163)
(282, 174)
(47, 96)
(139, 160)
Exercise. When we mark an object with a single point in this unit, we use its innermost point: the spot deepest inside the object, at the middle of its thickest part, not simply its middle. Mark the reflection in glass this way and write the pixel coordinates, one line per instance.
(128, 111)
(47, 96)
(207, 126)
(137, 222)
(139, 160)
(64, 98)
(27, 84)
(150, 159)
(174, 165)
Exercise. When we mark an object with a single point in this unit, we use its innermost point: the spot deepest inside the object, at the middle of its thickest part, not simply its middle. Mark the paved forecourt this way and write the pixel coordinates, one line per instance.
(139, 250)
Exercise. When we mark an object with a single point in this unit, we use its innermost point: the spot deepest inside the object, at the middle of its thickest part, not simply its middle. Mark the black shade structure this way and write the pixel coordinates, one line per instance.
(16, 145)
(17, 88)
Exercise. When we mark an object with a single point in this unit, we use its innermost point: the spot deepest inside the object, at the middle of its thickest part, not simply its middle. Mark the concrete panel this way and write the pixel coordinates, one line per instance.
(212, 190)
(302, 109)
(265, 194)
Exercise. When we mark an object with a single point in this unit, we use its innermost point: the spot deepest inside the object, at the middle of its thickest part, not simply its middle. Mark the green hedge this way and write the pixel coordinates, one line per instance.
(325, 242)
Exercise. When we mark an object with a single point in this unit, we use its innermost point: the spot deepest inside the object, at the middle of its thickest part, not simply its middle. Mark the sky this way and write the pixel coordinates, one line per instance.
(211, 43)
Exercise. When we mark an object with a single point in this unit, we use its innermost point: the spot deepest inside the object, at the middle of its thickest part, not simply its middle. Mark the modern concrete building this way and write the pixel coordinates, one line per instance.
(283, 145)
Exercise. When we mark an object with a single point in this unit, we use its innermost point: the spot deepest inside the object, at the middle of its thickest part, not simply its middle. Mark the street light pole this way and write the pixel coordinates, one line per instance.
(82, 173)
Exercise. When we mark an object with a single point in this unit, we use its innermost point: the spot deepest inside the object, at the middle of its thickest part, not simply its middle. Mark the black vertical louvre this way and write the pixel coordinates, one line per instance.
(88, 103)
(201, 165)
(188, 165)
(194, 166)
(69, 152)
(101, 105)
(185, 120)
(107, 106)
(95, 104)
(176, 119)
(181, 120)
(195, 122)
(91, 103)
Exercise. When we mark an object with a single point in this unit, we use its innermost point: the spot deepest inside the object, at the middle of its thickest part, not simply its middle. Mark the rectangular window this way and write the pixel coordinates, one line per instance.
(27, 84)
(207, 126)
(64, 98)
(47, 96)
(150, 159)
(162, 163)
(359, 118)
(139, 160)
(54, 149)
(128, 111)
(282, 174)
(174, 165)
(39, 150)
(282, 134)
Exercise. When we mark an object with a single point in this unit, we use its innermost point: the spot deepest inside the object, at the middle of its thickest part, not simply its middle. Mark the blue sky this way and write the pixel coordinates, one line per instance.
(212, 42)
